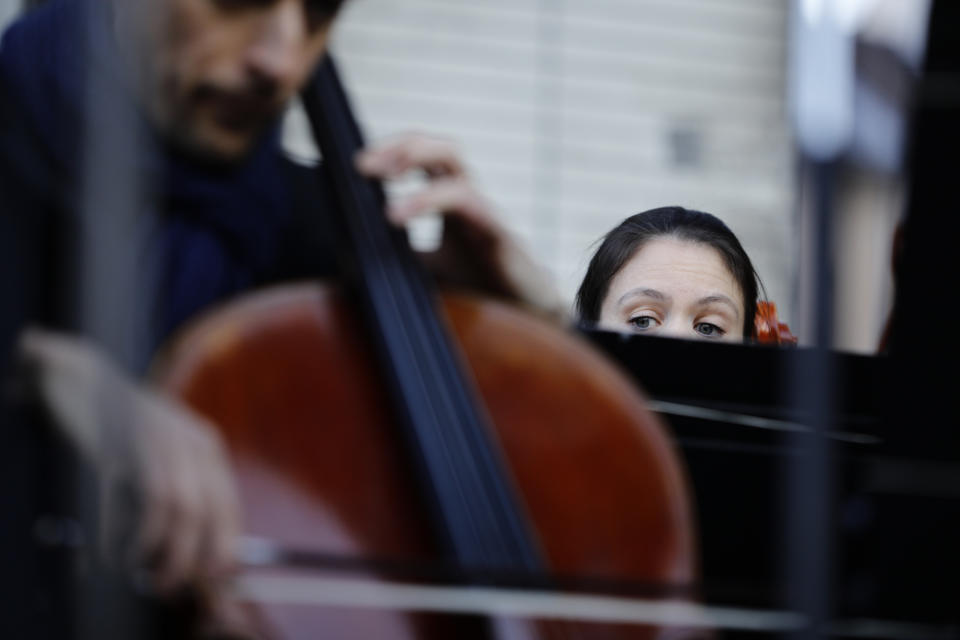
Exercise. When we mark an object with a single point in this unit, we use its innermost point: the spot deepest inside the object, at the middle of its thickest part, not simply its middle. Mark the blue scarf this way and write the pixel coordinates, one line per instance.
(217, 229)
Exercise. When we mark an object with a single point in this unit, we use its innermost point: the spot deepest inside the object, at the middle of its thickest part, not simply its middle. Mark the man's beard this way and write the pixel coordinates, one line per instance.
(213, 125)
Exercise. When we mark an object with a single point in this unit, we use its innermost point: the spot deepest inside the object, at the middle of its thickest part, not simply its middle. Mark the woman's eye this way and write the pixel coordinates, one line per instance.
(709, 330)
(643, 322)
(240, 4)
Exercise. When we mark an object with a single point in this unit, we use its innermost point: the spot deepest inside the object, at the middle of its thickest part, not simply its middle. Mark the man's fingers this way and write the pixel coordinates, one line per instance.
(449, 191)
(47, 347)
(392, 159)
(222, 509)
(62, 355)
(159, 463)
(181, 552)
(158, 504)
(450, 196)
(34, 343)
(79, 386)
(192, 517)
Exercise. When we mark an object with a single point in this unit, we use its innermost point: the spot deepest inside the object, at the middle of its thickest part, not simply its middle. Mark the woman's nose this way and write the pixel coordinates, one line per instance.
(675, 328)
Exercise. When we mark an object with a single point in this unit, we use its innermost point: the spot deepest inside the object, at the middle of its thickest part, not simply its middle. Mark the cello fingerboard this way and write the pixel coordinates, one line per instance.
(475, 511)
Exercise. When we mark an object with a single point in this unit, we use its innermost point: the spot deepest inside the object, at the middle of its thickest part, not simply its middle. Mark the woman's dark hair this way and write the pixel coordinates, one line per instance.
(686, 224)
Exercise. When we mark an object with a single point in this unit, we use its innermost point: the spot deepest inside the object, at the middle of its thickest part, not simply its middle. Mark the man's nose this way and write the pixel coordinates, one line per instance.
(275, 52)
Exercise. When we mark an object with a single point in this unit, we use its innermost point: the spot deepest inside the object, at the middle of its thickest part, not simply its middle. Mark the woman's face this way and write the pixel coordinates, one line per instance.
(675, 288)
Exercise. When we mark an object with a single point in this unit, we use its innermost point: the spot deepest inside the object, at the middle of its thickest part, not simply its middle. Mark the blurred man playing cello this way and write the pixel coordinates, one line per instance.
(206, 81)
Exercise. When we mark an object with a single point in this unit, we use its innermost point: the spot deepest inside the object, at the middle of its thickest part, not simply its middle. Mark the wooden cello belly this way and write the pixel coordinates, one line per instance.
(288, 377)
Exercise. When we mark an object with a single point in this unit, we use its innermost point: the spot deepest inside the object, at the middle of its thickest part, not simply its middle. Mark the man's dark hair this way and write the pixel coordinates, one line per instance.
(624, 240)
(328, 8)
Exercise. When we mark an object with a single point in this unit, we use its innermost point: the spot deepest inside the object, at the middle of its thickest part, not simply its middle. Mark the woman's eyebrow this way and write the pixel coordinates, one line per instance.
(722, 299)
(641, 292)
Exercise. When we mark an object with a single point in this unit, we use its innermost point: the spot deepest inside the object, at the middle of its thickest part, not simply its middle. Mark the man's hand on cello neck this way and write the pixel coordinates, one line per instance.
(476, 252)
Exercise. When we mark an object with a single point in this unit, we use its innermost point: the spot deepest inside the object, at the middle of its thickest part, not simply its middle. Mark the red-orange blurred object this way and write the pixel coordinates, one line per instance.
(288, 378)
(769, 329)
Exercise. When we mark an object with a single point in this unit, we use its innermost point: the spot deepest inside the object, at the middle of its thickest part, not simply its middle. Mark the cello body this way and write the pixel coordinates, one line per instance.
(288, 378)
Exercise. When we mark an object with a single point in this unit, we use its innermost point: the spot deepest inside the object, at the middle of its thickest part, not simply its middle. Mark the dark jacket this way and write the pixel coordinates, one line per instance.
(206, 234)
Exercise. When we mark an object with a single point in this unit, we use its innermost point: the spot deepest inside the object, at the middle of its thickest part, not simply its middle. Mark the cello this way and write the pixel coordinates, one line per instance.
(398, 432)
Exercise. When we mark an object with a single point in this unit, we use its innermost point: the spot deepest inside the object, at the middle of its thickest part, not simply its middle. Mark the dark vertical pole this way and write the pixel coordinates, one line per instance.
(821, 101)
(809, 477)
(112, 295)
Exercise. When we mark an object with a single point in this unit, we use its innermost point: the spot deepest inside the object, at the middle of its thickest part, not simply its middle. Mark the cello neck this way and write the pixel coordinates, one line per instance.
(475, 511)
